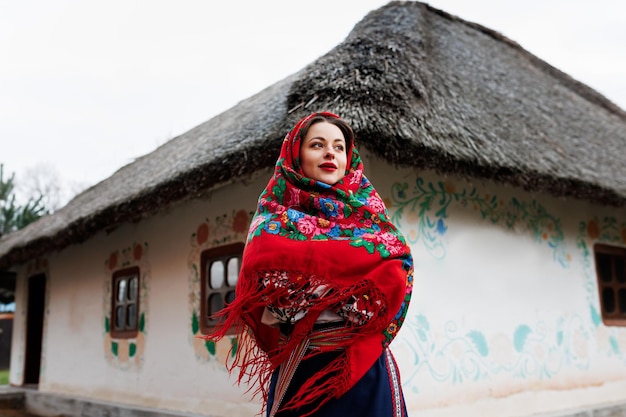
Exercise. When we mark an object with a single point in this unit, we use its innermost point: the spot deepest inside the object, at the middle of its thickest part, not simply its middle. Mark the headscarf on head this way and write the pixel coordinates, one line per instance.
(304, 235)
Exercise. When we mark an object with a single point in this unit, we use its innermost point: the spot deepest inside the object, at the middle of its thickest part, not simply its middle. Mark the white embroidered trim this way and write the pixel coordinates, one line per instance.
(395, 384)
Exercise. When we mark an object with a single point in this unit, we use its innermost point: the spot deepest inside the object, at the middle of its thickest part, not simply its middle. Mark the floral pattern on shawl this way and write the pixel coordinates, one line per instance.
(369, 229)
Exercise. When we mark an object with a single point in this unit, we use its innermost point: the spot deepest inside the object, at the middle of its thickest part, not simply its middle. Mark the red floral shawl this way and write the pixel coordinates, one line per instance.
(313, 233)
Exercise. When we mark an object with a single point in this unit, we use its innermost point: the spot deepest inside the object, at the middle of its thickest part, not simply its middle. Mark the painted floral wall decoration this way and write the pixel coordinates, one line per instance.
(425, 208)
(127, 353)
(609, 230)
(221, 230)
(452, 353)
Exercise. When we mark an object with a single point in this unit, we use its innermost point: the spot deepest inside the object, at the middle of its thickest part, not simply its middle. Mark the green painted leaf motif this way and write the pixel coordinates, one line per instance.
(195, 325)
(210, 345)
(422, 322)
(107, 325)
(519, 338)
(614, 344)
(234, 344)
(595, 317)
(479, 341)
(132, 349)
(422, 335)
(559, 337)
(142, 322)
(114, 347)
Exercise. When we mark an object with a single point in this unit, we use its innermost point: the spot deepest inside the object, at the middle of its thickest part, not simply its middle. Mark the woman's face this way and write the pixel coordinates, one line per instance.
(323, 153)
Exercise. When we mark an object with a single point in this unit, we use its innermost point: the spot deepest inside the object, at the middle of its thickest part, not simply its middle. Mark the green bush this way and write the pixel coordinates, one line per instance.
(4, 377)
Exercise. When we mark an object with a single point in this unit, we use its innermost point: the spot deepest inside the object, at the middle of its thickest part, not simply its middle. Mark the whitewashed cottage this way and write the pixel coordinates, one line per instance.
(507, 176)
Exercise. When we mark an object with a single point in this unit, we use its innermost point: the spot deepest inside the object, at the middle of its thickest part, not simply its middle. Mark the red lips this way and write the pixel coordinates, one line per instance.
(328, 166)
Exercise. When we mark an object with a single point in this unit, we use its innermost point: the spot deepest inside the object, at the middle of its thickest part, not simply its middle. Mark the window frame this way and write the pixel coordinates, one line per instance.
(117, 275)
(618, 316)
(222, 254)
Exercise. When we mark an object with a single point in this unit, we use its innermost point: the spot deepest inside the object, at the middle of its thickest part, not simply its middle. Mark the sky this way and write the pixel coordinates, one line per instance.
(88, 86)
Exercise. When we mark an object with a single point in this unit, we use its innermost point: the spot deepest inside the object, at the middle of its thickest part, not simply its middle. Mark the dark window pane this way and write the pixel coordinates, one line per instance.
(604, 267)
(119, 317)
(131, 318)
(230, 296)
(132, 288)
(216, 275)
(620, 269)
(621, 301)
(608, 300)
(216, 303)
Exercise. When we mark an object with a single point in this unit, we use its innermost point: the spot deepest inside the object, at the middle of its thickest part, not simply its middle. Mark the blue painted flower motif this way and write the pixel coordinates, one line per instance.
(272, 227)
(441, 227)
(328, 207)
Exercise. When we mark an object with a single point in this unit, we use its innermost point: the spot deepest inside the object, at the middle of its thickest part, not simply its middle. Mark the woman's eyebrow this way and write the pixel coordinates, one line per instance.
(323, 138)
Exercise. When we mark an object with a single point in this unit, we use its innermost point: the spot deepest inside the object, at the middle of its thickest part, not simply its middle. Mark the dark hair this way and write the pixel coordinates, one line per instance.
(345, 128)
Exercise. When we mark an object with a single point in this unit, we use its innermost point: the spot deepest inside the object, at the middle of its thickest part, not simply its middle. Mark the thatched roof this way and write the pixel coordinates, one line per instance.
(420, 87)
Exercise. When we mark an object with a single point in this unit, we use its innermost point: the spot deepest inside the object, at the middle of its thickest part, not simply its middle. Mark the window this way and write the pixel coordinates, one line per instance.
(125, 303)
(220, 272)
(611, 273)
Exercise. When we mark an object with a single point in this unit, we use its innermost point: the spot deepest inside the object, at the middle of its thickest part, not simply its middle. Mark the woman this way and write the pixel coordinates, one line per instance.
(325, 283)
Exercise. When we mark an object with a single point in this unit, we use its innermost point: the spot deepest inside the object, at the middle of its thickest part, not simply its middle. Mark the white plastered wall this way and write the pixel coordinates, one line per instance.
(169, 374)
(504, 315)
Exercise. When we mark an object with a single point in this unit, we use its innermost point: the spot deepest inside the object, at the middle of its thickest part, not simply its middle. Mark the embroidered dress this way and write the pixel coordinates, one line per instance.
(313, 249)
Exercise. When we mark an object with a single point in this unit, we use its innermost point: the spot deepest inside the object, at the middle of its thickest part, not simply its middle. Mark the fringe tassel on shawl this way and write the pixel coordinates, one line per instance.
(322, 387)
(260, 349)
